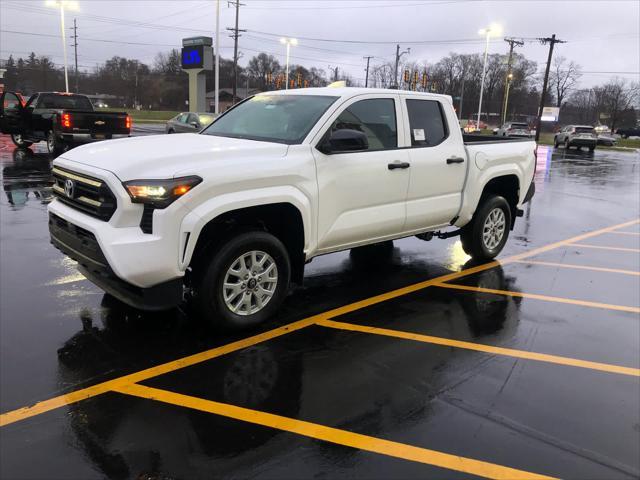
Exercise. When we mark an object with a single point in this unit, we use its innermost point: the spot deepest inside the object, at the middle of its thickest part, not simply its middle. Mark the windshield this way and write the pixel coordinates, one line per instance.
(272, 118)
(65, 102)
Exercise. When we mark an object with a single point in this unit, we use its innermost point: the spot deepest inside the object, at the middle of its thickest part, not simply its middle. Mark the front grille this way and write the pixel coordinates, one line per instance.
(88, 194)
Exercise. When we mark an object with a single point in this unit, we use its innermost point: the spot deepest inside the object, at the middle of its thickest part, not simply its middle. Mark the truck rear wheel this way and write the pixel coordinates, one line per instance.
(19, 141)
(486, 234)
(245, 282)
(54, 146)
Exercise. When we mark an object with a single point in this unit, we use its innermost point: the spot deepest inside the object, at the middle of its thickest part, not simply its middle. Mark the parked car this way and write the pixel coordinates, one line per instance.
(234, 213)
(606, 140)
(576, 136)
(514, 129)
(628, 132)
(63, 120)
(186, 122)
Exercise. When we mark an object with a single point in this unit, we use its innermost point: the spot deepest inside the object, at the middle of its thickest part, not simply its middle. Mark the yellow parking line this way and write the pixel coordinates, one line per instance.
(100, 388)
(636, 234)
(602, 247)
(547, 298)
(333, 435)
(509, 352)
(579, 267)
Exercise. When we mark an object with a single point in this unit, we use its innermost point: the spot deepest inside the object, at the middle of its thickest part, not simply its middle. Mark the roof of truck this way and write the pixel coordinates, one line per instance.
(347, 92)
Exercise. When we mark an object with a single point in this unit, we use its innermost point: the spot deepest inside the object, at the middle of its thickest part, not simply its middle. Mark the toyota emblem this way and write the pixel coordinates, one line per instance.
(69, 187)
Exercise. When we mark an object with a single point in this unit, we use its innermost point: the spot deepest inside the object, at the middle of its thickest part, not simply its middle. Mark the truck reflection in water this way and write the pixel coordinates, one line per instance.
(29, 176)
(295, 376)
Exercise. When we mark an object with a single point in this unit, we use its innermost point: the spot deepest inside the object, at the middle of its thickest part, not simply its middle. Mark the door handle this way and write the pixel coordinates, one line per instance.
(454, 160)
(393, 166)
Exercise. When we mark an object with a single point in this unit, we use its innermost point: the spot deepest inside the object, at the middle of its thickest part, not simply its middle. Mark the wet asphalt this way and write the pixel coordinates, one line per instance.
(59, 333)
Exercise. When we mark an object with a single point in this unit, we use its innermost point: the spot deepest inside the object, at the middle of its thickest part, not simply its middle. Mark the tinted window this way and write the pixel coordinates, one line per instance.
(11, 102)
(426, 122)
(272, 118)
(65, 102)
(584, 129)
(519, 125)
(376, 118)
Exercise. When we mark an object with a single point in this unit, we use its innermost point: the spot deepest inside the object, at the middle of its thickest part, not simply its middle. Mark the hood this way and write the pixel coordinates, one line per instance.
(163, 156)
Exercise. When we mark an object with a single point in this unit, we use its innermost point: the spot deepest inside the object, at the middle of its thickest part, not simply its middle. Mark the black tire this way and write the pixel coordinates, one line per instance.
(624, 135)
(17, 140)
(471, 236)
(170, 131)
(591, 149)
(208, 286)
(54, 145)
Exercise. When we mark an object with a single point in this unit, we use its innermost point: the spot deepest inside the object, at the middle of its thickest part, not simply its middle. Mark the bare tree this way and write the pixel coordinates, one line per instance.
(563, 77)
(614, 98)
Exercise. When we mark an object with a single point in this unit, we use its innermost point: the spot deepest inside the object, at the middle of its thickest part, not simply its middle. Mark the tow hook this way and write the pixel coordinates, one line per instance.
(429, 235)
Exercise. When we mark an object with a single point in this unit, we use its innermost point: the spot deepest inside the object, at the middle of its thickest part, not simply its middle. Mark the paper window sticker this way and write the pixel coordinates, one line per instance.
(418, 134)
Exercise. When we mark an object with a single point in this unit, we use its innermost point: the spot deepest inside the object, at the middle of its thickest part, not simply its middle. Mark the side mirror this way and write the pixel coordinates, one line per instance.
(195, 124)
(345, 140)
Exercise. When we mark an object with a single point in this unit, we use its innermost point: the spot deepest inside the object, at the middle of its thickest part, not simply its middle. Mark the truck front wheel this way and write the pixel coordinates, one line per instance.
(19, 141)
(485, 235)
(245, 282)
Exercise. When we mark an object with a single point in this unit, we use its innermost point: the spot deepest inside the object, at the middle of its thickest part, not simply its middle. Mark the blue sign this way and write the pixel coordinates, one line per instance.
(192, 57)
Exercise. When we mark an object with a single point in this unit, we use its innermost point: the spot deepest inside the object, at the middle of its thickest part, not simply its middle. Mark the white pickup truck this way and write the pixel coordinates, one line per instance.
(228, 217)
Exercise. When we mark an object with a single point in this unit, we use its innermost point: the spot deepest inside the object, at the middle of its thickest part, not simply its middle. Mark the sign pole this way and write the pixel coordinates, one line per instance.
(217, 68)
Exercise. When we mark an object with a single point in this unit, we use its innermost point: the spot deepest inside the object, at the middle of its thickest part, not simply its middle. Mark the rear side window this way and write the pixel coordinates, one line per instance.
(65, 102)
(376, 118)
(426, 123)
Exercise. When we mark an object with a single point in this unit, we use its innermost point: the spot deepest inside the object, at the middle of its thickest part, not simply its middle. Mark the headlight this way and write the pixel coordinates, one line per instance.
(160, 193)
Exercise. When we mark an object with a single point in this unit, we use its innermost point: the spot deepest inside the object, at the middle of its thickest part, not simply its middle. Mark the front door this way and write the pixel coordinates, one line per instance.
(438, 164)
(362, 198)
(11, 113)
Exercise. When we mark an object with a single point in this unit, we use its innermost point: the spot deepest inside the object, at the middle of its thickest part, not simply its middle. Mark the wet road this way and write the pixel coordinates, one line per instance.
(443, 386)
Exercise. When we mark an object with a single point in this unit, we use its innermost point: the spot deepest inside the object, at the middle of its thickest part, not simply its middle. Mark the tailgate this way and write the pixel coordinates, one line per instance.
(99, 124)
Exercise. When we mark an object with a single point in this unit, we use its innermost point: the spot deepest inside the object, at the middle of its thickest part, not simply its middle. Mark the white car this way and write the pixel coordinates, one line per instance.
(514, 129)
(230, 216)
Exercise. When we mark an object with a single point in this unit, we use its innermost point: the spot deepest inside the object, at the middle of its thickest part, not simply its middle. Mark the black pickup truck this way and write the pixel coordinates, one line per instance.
(63, 120)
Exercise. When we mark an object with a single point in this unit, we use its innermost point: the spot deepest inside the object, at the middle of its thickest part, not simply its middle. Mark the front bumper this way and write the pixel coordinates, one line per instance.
(82, 246)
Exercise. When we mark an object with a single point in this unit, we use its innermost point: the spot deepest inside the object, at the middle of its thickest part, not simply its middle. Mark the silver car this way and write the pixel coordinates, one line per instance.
(514, 129)
(187, 122)
(576, 136)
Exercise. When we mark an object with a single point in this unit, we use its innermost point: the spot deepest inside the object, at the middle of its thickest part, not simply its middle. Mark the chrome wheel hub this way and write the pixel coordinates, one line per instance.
(250, 282)
(494, 228)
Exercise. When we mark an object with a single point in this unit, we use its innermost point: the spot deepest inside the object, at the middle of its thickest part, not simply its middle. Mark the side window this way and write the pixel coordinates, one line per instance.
(426, 122)
(182, 118)
(11, 102)
(32, 101)
(376, 118)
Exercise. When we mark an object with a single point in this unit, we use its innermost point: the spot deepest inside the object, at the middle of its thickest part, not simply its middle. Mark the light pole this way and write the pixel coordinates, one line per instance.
(288, 42)
(506, 98)
(62, 5)
(493, 30)
(216, 90)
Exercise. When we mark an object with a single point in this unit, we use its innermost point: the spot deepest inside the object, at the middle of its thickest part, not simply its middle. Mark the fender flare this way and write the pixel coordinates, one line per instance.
(194, 222)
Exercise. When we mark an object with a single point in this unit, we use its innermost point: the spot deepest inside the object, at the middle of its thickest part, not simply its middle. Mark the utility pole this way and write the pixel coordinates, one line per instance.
(334, 70)
(216, 90)
(236, 33)
(512, 43)
(395, 72)
(75, 48)
(366, 78)
(543, 96)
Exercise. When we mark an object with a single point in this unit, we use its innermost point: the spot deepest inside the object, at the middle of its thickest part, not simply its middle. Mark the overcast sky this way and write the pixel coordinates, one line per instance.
(602, 36)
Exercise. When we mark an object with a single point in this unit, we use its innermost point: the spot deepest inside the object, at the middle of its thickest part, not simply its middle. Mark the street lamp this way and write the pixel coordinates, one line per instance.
(288, 42)
(492, 31)
(62, 5)
(506, 98)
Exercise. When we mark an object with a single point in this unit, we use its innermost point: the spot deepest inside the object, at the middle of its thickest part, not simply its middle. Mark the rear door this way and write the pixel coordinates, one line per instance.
(438, 163)
(11, 113)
